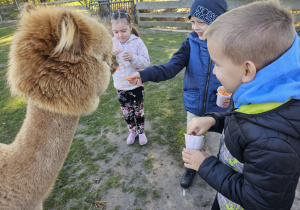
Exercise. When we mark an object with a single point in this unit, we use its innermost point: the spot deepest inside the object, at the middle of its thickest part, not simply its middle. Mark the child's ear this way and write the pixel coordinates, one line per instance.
(250, 71)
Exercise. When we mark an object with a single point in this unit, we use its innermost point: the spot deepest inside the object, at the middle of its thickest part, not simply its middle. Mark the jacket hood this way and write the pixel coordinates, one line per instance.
(132, 37)
(195, 38)
(277, 82)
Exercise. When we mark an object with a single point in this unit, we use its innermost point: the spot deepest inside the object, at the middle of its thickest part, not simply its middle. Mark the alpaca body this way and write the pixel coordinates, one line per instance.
(34, 161)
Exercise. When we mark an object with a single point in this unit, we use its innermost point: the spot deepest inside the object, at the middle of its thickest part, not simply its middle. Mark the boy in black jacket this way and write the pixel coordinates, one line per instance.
(258, 165)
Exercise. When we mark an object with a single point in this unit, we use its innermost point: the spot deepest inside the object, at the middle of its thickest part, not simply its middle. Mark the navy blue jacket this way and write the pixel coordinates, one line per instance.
(200, 84)
(268, 144)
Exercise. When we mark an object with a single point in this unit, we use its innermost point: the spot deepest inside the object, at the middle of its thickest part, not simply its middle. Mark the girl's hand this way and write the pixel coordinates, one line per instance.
(116, 51)
(127, 56)
(201, 123)
(193, 158)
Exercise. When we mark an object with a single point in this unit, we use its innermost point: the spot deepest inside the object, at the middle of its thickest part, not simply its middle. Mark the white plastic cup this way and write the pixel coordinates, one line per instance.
(221, 98)
(193, 142)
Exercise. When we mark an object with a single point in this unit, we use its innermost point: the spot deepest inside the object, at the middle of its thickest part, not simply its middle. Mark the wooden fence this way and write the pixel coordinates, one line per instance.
(82, 3)
(100, 8)
(11, 9)
(162, 14)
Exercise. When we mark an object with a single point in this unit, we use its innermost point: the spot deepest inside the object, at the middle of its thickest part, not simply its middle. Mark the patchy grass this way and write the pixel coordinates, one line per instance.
(148, 164)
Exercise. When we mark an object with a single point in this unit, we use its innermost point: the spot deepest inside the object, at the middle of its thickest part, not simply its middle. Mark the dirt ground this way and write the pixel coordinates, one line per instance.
(164, 179)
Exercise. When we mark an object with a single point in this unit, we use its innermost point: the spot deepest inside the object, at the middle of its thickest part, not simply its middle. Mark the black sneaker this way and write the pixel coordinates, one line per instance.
(187, 178)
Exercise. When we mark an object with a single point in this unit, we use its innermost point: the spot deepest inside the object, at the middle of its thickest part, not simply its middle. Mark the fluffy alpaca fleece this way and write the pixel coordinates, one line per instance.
(60, 60)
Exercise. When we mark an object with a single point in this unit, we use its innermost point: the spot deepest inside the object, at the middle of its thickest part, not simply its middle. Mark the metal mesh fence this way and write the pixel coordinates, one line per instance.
(103, 8)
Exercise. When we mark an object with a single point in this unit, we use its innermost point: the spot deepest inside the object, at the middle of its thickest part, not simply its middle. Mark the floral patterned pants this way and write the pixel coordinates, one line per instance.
(131, 102)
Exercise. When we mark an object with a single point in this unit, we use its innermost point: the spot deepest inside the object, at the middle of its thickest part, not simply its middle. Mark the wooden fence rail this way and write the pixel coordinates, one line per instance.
(12, 9)
(55, 3)
(151, 10)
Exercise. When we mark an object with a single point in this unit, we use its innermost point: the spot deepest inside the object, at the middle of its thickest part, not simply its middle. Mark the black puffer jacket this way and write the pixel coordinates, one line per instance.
(268, 144)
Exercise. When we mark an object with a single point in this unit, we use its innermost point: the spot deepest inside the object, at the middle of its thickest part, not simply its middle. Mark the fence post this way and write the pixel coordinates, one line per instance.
(86, 4)
(137, 14)
(18, 7)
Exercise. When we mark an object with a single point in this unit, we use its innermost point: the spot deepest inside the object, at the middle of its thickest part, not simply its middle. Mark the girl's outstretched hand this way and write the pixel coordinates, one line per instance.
(135, 79)
(193, 158)
(116, 50)
(202, 124)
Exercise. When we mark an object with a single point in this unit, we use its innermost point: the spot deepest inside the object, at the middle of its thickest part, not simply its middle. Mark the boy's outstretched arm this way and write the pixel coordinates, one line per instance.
(158, 73)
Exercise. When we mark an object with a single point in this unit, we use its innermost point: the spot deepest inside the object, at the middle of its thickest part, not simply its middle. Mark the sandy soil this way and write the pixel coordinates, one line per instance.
(164, 179)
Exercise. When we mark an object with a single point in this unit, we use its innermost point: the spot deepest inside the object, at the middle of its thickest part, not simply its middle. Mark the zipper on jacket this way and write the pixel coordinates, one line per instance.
(206, 87)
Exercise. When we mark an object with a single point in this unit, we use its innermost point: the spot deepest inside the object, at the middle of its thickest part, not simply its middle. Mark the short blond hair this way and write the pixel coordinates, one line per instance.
(261, 32)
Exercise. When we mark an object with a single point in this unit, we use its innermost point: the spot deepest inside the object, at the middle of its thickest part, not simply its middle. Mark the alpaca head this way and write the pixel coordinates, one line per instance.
(61, 59)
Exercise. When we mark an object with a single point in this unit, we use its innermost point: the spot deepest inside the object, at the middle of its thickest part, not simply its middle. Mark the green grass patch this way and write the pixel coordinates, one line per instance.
(148, 164)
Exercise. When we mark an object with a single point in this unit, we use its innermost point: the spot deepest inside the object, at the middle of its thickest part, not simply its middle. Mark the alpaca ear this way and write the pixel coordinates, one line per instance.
(70, 39)
(27, 8)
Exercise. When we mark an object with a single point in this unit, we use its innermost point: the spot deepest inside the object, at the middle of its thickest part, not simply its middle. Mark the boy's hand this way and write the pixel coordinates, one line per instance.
(202, 124)
(127, 56)
(135, 79)
(193, 158)
(225, 102)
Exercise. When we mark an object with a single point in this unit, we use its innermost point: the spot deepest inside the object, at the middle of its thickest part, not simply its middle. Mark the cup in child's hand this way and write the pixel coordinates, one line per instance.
(222, 96)
(193, 142)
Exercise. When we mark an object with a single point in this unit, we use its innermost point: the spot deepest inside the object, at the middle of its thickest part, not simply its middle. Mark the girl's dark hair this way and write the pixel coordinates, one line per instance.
(120, 14)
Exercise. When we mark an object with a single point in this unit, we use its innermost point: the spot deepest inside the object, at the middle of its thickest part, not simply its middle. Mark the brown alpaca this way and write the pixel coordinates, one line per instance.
(60, 60)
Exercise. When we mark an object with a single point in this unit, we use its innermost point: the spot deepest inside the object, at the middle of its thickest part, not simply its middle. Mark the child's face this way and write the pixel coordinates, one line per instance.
(199, 26)
(121, 29)
(227, 72)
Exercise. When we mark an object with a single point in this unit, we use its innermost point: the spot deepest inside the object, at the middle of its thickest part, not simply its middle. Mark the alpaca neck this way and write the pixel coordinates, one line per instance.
(46, 134)
(32, 162)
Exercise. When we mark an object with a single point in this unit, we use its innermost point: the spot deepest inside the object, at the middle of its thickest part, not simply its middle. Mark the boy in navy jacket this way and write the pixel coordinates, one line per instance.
(200, 84)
